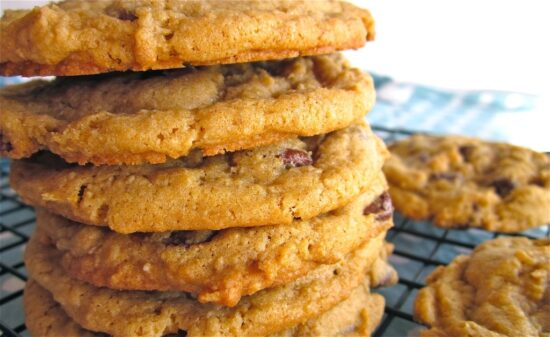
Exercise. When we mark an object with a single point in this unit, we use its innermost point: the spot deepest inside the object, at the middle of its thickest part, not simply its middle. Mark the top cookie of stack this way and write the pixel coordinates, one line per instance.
(91, 37)
(148, 117)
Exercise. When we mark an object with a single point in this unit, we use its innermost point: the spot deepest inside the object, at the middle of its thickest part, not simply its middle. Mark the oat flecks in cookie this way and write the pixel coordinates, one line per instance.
(82, 37)
(133, 118)
(501, 289)
(217, 266)
(131, 313)
(461, 182)
(244, 189)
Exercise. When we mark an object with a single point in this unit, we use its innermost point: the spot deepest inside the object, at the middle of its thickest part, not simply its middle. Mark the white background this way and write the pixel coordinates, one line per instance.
(465, 44)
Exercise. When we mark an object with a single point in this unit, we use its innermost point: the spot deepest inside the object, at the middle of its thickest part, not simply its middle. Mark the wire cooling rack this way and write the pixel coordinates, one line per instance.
(419, 248)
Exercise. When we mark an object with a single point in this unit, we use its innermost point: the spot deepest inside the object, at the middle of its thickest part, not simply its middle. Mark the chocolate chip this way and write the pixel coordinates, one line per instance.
(466, 151)
(382, 207)
(81, 192)
(180, 333)
(450, 176)
(503, 186)
(5, 145)
(313, 144)
(423, 157)
(537, 181)
(295, 158)
(126, 15)
(178, 238)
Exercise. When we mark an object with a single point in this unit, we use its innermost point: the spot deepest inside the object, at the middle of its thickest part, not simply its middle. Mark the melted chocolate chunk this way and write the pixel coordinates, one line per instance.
(295, 158)
(126, 15)
(450, 176)
(189, 237)
(180, 333)
(81, 192)
(382, 207)
(503, 186)
(5, 146)
(466, 151)
(537, 181)
(424, 157)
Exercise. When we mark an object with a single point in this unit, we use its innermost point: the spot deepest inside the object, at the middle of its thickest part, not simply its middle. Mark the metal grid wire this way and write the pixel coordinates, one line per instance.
(419, 248)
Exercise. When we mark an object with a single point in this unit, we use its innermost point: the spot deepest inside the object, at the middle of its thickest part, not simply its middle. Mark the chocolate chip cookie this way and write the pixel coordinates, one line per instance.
(358, 315)
(501, 289)
(270, 185)
(134, 118)
(90, 37)
(131, 313)
(461, 182)
(218, 266)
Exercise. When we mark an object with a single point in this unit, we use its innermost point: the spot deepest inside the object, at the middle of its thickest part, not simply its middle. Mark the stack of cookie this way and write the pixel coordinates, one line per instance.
(196, 196)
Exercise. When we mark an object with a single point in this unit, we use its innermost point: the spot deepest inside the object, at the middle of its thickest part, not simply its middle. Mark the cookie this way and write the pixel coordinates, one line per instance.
(501, 289)
(218, 266)
(134, 118)
(133, 313)
(270, 185)
(461, 182)
(358, 315)
(81, 37)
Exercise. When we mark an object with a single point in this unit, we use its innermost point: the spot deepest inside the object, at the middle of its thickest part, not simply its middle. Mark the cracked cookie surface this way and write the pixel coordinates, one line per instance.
(133, 118)
(217, 266)
(132, 313)
(89, 37)
(270, 185)
(461, 182)
(502, 289)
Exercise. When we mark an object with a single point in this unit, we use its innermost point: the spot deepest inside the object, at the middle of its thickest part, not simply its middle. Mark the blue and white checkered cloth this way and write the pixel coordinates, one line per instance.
(493, 115)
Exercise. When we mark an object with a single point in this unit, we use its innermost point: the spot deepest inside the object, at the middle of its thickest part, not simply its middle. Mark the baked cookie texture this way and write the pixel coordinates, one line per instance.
(356, 316)
(218, 266)
(134, 118)
(134, 313)
(90, 37)
(501, 289)
(272, 185)
(463, 182)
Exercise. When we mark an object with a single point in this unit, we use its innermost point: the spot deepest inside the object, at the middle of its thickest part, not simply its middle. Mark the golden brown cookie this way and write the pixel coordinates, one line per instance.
(134, 118)
(218, 266)
(90, 37)
(358, 315)
(461, 182)
(133, 313)
(270, 185)
(502, 289)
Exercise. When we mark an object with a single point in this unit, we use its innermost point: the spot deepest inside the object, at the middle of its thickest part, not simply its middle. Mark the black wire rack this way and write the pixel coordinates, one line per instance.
(419, 248)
